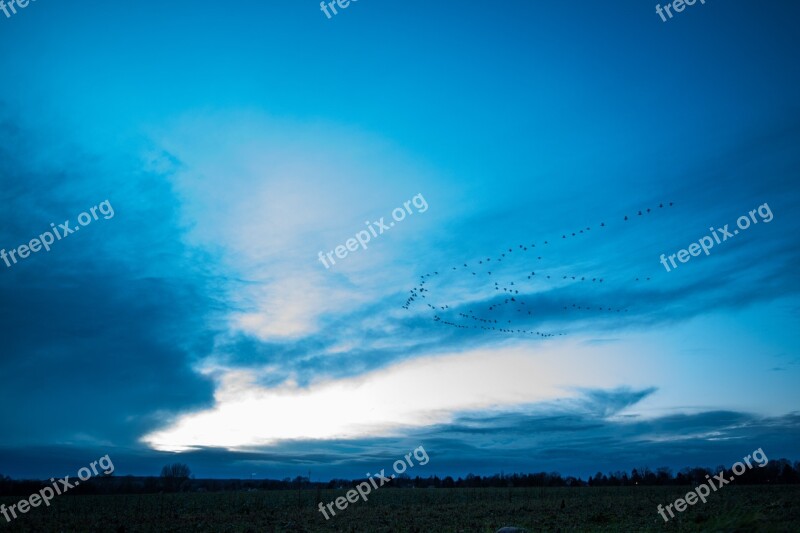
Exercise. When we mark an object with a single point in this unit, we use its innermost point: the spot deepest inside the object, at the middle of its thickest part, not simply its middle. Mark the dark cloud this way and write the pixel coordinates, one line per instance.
(98, 334)
(577, 437)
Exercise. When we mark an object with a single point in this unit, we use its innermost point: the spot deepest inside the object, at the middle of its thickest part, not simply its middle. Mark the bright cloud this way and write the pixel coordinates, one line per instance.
(414, 393)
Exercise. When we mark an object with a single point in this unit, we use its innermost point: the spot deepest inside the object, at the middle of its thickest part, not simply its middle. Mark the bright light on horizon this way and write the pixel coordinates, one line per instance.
(415, 393)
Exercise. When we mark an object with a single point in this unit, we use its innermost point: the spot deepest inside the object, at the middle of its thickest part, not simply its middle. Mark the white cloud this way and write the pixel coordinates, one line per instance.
(413, 393)
(265, 196)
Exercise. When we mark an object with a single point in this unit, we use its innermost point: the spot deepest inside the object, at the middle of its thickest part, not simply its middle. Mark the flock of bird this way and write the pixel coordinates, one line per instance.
(508, 302)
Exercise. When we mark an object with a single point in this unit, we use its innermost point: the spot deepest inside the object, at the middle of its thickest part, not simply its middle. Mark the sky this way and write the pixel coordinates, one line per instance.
(553, 153)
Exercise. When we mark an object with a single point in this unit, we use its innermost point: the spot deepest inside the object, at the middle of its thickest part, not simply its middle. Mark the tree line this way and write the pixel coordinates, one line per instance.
(177, 477)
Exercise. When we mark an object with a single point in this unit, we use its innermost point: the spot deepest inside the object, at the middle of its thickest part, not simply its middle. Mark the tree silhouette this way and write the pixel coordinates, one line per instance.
(174, 476)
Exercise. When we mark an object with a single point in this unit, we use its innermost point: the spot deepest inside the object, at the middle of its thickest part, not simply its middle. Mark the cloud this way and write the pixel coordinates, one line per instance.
(267, 195)
(374, 403)
(93, 353)
(578, 436)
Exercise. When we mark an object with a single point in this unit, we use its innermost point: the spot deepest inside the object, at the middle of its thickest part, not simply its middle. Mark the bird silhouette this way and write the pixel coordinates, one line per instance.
(510, 305)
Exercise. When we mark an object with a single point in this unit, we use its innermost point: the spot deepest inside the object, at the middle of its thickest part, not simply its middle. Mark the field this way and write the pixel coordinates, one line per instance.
(743, 508)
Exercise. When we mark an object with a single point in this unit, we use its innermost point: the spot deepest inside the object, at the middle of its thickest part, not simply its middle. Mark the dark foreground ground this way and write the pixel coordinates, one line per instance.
(742, 508)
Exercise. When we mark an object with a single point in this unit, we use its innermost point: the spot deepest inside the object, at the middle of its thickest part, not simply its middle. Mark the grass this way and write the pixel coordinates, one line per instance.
(742, 508)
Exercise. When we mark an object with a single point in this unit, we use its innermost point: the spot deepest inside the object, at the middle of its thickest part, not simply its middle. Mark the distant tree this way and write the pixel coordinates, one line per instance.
(174, 476)
(663, 475)
(404, 481)
(299, 482)
(176, 471)
(787, 474)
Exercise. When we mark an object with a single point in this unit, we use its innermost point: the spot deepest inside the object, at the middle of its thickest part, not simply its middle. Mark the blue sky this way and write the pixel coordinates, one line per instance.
(236, 142)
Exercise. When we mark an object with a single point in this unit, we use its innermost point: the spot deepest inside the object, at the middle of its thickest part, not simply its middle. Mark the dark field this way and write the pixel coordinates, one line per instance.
(743, 508)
